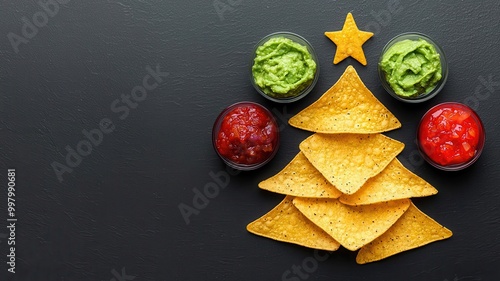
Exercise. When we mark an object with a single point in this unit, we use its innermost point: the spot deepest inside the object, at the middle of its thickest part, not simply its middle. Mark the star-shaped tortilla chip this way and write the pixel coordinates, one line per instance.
(349, 41)
(347, 107)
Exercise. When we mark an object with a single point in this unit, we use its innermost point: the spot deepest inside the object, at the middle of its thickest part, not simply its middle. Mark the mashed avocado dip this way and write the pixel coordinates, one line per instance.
(283, 68)
(411, 67)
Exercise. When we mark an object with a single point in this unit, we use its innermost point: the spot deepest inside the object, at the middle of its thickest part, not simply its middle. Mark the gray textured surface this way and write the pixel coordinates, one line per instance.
(116, 215)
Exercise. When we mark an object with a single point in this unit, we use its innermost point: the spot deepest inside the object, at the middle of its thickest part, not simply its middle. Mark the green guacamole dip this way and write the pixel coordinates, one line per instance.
(283, 68)
(411, 67)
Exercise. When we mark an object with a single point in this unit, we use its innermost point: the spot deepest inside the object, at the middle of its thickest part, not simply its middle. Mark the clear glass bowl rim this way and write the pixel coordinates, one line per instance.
(298, 39)
(444, 67)
(480, 146)
(216, 128)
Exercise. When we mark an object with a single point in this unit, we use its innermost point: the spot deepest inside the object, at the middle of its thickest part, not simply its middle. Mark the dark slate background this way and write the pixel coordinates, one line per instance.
(116, 215)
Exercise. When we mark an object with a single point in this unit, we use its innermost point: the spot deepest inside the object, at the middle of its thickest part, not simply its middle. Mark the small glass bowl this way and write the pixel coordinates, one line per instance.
(480, 144)
(262, 111)
(297, 39)
(444, 68)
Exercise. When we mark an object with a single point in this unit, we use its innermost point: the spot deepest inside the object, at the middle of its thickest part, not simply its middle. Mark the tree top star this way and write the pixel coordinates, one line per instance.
(349, 41)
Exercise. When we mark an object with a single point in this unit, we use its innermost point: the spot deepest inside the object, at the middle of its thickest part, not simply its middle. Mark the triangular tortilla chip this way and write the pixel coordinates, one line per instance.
(347, 107)
(347, 161)
(414, 229)
(352, 226)
(285, 223)
(394, 182)
(300, 178)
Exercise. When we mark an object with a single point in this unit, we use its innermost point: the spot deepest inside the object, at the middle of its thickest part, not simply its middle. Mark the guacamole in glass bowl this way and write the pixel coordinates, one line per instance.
(412, 67)
(284, 67)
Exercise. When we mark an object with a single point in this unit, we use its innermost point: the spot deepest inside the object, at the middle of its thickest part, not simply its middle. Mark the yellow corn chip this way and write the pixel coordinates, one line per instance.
(347, 107)
(300, 178)
(414, 229)
(352, 226)
(394, 182)
(349, 41)
(285, 223)
(347, 161)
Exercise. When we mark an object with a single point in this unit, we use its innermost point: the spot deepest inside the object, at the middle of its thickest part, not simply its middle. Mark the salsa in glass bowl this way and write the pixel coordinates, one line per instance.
(245, 136)
(451, 136)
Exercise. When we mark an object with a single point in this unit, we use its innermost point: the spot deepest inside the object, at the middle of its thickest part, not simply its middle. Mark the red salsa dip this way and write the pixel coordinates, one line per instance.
(451, 135)
(245, 135)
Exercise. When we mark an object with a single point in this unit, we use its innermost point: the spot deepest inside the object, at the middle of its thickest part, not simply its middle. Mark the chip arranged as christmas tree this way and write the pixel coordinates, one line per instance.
(346, 187)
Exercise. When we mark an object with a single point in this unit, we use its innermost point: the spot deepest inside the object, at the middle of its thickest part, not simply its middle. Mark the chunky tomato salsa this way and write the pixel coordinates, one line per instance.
(450, 134)
(247, 134)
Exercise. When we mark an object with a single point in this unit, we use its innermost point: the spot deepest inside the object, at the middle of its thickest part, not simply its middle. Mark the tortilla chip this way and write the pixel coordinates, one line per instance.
(349, 41)
(352, 226)
(347, 107)
(347, 161)
(300, 178)
(414, 229)
(394, 182)
(285, 223)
